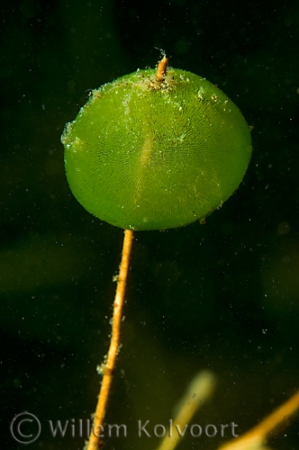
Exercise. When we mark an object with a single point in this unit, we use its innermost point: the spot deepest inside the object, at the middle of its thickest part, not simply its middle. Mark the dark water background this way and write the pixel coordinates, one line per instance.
(222, 296)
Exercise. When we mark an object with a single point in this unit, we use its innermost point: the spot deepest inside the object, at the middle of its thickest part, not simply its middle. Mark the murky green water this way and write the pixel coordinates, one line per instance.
(223, 296)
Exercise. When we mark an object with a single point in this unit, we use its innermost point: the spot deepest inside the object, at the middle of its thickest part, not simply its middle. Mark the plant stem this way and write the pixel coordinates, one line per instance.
(161, 70)
(199, 391)
(97, 429)
(256, 437)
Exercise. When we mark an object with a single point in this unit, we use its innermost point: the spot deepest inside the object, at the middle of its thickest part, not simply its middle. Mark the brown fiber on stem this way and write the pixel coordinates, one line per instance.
(109, 366)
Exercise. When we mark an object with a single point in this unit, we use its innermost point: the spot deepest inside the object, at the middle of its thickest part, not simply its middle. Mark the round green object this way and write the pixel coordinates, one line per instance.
(145, 154)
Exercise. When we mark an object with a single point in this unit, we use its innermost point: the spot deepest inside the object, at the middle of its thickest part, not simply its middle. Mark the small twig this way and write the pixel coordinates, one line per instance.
(97, 429)
(257, 436)
(199, 390)
(161, 70)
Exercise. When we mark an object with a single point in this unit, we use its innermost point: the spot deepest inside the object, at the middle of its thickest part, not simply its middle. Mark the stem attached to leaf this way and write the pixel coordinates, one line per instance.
(109, 366)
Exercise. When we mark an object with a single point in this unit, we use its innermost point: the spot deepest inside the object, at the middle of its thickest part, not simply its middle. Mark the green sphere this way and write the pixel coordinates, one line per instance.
(149, 154)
